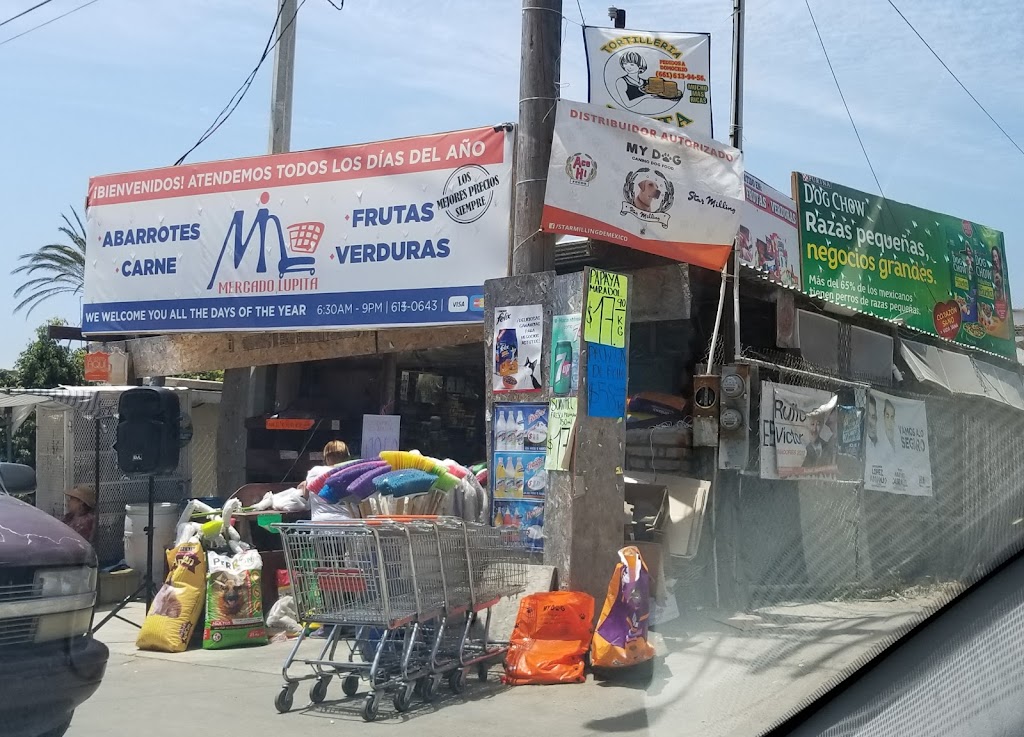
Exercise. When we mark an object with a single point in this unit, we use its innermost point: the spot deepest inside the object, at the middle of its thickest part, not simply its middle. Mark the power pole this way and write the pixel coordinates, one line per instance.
(617, 16)
(245, 389)
(736, 138)
(539, 74)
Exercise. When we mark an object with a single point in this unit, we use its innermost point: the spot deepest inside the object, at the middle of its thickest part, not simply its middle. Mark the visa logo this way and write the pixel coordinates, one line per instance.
(458, 304)
(477, 303)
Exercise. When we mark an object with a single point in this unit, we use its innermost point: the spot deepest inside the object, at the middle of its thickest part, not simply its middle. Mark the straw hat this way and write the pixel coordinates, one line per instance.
(84, 493)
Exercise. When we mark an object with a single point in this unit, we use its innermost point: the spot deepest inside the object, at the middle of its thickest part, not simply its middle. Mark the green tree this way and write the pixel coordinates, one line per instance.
(44, 364)
(56, 268)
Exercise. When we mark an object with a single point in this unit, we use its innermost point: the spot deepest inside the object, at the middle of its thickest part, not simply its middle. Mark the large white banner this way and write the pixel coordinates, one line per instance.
(665, 76)
(768, 239)
(401, 232)
(642, 184)
(896, 457)
(799, 432)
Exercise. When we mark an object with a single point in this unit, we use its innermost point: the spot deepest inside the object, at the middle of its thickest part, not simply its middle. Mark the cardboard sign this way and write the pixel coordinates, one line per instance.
(561, 429)
(606, 309)
(380, 432)
(606, 381)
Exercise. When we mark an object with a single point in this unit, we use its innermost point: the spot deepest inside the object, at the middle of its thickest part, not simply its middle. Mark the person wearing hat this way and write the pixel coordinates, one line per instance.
(81, 506)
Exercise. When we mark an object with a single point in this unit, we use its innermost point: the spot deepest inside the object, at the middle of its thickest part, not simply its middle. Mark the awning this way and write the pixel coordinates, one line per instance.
(86, 400)
(961, 374)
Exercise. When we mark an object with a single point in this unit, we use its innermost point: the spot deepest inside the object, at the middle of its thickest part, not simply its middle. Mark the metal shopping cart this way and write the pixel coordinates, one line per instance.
(402, 595)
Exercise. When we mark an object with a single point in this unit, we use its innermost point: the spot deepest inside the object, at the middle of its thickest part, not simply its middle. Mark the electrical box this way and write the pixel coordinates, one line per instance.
(734, 416)
(706, 398)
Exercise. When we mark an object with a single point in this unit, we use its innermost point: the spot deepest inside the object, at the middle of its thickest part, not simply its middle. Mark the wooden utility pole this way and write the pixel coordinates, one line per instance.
(539, 74)
(240, 384)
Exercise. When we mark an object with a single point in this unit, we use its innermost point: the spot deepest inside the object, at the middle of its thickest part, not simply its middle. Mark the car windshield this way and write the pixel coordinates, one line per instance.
(407, 357)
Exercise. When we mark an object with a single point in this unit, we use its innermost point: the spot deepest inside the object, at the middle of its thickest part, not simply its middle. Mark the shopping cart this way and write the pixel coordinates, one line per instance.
(402, 594)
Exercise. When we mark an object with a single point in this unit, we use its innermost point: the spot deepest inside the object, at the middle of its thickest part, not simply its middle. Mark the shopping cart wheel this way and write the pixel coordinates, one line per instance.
(457, 681)
(284, 698)
(371, 707)
(350, 686)
(403, 697)
(428, 691)
(318, 691)
(481, 672)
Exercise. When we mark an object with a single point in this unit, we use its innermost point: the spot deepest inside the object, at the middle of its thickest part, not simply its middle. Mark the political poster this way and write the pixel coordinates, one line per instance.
(642, 184)
(664, 76)
(896, 455)
(401, 232)
(767, 239)
(936, 273)
(799, 432)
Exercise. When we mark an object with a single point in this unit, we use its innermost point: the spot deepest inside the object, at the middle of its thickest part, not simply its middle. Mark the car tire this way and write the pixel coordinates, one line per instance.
(60, 729)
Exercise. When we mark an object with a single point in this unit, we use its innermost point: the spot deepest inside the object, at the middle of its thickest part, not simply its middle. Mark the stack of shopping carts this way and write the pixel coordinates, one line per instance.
(402, 597)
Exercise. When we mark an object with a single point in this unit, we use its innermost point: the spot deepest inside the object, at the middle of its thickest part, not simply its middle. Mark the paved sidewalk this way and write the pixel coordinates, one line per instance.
(716, 675)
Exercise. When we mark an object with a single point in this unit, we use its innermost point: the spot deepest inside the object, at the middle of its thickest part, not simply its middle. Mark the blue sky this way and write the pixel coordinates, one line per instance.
(126, 85)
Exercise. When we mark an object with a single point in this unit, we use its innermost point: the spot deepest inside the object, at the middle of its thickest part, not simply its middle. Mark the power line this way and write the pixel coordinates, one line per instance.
(962, 85)
(843, 98)
(24, 12)
(239, 95)
(46, 23)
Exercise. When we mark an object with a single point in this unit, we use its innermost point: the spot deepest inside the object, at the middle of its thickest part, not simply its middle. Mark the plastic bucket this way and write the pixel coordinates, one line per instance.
(165, 521)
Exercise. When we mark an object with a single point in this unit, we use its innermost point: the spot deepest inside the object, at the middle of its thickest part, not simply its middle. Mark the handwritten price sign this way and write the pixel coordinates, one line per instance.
(561, 428)
(606, 309)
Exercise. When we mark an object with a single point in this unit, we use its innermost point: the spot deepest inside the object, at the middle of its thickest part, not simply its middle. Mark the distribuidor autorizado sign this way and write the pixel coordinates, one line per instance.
(939, 274)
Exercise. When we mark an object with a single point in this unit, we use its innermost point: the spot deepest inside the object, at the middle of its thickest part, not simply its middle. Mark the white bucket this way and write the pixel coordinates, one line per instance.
(165, 520)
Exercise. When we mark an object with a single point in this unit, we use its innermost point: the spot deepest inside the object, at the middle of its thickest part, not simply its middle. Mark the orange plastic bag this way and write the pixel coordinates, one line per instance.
(621, 635)
(550, 639)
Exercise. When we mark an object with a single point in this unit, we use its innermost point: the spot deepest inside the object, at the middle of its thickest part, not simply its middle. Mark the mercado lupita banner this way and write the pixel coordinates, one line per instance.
(616, 177)
(939, 274)
(401, 232)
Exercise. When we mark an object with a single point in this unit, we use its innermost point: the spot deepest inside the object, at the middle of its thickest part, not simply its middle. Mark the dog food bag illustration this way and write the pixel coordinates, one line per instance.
(234, 601)
(506, 355)
(178, 605)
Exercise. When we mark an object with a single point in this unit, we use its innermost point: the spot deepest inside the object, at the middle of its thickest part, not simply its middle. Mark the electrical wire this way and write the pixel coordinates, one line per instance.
(860, 140)
(236, 99)
(24, 12)
(962, 85)
(46, 23)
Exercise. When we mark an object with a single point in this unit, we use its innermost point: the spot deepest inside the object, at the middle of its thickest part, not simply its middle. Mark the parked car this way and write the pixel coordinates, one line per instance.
(49, 662)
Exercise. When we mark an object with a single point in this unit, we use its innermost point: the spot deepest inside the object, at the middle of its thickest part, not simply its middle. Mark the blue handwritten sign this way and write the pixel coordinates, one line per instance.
(606, 380)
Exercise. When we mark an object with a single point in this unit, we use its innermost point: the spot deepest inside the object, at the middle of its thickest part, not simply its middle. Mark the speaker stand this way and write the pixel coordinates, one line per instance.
(148, 586)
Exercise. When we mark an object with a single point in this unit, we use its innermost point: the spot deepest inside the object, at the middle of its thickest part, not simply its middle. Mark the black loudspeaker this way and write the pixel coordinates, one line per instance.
(148, 431)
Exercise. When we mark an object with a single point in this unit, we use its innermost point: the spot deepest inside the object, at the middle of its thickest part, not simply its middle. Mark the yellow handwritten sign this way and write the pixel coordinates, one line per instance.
(605, 321)
(561, 428)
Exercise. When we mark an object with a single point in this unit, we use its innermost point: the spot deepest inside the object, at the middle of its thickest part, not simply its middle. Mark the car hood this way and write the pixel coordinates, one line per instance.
(30, 537)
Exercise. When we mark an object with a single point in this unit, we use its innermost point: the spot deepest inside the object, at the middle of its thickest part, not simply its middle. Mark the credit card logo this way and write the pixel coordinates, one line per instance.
(458, 304)
(477, 303)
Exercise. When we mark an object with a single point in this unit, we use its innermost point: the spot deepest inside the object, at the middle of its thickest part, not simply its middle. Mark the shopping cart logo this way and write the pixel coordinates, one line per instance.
(293, 257)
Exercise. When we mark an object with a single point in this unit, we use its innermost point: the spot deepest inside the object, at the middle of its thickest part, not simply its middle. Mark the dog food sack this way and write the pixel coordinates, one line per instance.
(234, 601)
(175, 611)
(621, 635)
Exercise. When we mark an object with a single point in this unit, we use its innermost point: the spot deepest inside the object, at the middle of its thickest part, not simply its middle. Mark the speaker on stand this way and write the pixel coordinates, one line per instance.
(149, 438)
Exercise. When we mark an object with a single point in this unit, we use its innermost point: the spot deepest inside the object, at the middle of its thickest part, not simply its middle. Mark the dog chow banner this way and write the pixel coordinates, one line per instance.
(937, 273)
(642, 184)
(402, 232)
(664, 76)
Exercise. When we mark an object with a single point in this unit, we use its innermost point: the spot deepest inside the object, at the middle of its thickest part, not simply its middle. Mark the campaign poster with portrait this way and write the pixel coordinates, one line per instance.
(896, 455)
(799, 434)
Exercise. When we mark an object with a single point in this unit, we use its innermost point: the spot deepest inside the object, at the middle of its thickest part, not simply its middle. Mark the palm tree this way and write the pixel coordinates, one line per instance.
(56, 268)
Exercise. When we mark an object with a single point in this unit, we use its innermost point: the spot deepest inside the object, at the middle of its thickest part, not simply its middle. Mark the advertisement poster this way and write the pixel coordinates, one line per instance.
(938, 273)
(561, 431)
(606, 309)
(896, 457)
(639, 183)
(665, 76)
(606, 381)
(401, 232)
(768, 240)
(518, 343)
(524, 516)
(565, 354)
(798, 432)
(520, 445)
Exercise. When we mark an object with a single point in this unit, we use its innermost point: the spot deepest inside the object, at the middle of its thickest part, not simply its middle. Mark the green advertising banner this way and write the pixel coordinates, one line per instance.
(939, 274)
